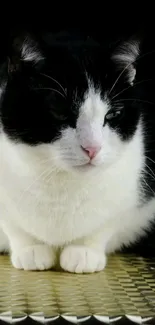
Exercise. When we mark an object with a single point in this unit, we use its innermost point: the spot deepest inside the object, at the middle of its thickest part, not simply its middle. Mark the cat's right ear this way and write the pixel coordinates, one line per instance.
(23, 49)
(125, 56)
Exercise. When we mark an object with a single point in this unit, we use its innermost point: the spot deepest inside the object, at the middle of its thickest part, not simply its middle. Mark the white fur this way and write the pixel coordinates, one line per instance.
(127, 53)
(34, 257)
(4, 245)
(81, 259)
(30, 51)
(124, 56)
(50, 196)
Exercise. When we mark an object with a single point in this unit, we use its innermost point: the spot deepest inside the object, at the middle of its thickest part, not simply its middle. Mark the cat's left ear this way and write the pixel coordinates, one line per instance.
(23, 49)
(124, 58)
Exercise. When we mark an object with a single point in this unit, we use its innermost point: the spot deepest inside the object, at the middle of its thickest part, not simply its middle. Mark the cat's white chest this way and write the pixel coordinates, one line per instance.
(68, 209)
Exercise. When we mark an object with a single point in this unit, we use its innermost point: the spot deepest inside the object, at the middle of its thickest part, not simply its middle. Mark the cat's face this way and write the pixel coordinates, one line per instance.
(64, 102)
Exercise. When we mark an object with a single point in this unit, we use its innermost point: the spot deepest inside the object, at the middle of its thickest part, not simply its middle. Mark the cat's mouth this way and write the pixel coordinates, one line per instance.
(86, 167)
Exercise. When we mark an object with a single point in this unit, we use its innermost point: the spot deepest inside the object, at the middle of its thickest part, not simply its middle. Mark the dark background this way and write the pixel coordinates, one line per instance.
(110, 19)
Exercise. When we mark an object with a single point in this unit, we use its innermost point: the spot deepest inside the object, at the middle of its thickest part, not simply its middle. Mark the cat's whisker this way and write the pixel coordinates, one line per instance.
(134, 99)
(149, 175)
(49, 77)
(45, 181)
(116, 81)
(152, 176)
(49, 160)
(150, 170)
(150, 159)
(33, 183)
(49, 176)
(126, 67)
(52, 89)
(136, 83)
(143, 179)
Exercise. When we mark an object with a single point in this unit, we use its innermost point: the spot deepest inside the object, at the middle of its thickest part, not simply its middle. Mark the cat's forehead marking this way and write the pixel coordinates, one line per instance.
(94, 106)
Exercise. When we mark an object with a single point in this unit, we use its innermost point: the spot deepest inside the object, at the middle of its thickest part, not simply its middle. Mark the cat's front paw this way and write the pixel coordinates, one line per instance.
(82, 259)
(36, 257)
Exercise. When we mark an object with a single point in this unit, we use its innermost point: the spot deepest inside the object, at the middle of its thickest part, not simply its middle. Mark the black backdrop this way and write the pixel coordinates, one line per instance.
(111, 19)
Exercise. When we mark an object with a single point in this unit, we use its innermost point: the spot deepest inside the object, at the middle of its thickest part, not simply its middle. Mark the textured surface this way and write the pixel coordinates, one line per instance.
(125, 289)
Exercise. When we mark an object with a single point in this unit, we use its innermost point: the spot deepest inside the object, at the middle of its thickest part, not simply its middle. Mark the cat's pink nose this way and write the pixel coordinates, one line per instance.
(92, 151)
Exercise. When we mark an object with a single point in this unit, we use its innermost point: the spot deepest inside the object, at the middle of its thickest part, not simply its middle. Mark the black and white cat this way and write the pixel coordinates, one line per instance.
(77, 151)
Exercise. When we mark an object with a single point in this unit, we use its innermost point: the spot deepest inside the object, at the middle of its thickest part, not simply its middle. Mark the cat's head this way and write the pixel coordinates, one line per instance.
(62, 99)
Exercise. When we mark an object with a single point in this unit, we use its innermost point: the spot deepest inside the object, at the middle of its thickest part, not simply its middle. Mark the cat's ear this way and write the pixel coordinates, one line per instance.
(124, 58)
(23, 49)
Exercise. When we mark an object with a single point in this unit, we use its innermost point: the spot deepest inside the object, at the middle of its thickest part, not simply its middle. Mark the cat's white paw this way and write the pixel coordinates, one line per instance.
(37, 257)
(81, 259)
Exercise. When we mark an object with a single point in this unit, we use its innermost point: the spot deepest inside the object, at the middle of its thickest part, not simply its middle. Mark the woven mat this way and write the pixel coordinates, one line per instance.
(125, 289)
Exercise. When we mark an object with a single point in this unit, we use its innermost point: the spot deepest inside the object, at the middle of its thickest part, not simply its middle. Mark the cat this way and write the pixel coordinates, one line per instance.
(77, 150)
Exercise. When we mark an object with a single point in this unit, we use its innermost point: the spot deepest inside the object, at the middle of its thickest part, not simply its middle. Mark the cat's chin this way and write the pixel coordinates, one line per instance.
(86, 168)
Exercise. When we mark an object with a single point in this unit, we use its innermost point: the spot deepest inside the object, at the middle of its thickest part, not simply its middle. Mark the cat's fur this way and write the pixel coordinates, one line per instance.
(57, 97)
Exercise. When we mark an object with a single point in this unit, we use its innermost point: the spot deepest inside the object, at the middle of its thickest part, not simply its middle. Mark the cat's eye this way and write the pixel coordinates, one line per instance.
(112, 114)
(58, 116)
